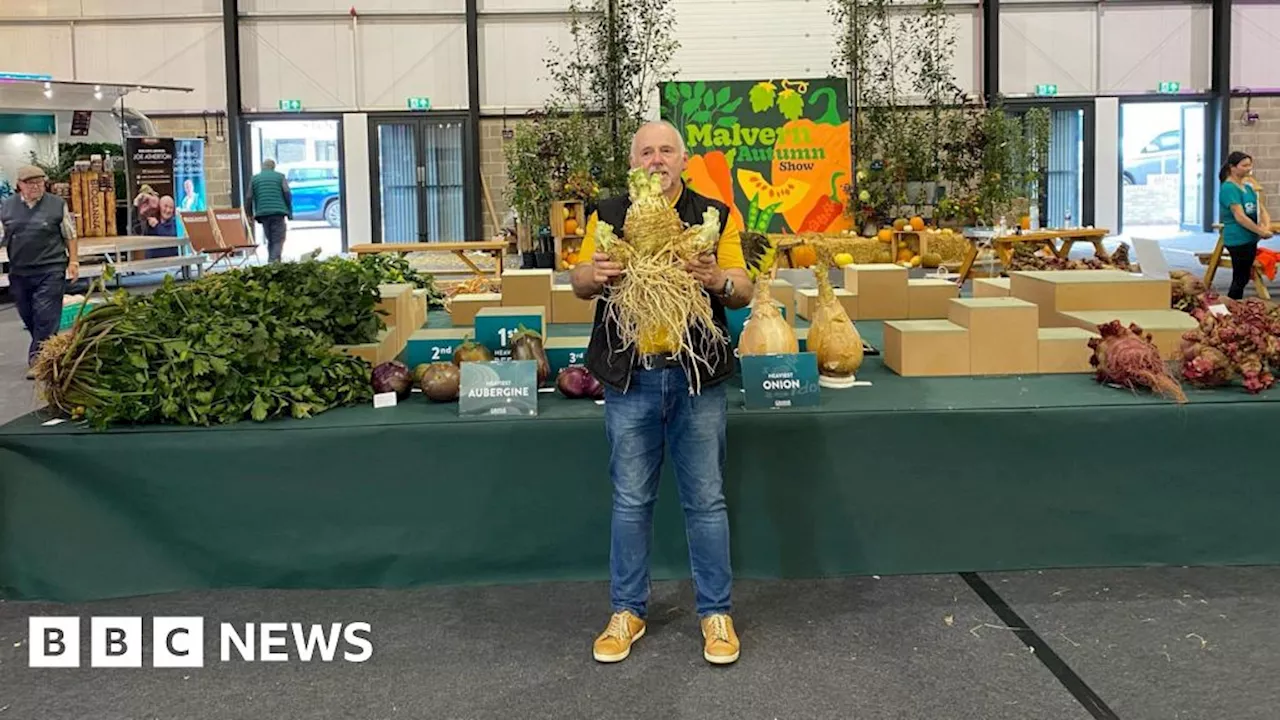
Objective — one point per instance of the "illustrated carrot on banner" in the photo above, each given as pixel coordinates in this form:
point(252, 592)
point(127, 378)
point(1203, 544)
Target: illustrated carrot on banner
point(709, 176)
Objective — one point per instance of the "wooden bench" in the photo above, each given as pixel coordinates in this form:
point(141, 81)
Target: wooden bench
point(497, 248)
point(1058, 241)
point(114, 251)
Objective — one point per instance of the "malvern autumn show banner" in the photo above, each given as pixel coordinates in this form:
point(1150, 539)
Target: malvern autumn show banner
point(776, 151)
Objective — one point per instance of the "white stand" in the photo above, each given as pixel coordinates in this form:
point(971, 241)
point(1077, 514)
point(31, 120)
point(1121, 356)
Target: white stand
point(827, 381)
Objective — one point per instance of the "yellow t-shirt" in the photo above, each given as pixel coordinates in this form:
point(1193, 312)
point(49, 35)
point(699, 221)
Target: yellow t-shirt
point(728, 256)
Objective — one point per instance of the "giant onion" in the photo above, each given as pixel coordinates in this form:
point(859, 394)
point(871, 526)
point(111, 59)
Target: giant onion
point(832, 336)
point(766, 332)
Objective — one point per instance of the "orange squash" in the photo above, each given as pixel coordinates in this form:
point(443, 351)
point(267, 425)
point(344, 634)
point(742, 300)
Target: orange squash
point(885, 235)
point(917, 223)
point(833, 142)
point(803, 256)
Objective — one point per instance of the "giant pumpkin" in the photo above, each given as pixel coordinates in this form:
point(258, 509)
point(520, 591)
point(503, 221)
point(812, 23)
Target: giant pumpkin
point(833, 140)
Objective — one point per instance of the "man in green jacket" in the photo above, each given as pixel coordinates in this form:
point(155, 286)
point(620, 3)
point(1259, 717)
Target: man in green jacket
point(270, 202)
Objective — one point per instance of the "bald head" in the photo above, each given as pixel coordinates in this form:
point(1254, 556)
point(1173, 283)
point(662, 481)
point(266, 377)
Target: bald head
point(658, 148)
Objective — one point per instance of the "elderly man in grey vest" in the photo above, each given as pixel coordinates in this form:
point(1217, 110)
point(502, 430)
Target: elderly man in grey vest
point(39, 234)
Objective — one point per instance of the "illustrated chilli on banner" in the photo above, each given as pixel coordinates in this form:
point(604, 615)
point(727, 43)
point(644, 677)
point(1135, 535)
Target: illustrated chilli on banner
point(776, 151)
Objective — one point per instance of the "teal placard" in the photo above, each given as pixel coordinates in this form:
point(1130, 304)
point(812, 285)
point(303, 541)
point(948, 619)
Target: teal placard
point(507, 388)
point(432, 349)
point(495, 331)
point(562, 357)
point(780, 381)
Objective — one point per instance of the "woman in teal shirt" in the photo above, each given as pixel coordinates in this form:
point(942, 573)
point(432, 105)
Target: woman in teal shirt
point(1241, 225)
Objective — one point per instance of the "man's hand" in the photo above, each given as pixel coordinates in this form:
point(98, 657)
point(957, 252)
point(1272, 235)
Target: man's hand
point(708, 272)
point(604, 270)
point(73, 270)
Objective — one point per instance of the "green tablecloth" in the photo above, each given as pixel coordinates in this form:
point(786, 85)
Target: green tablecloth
point(905, 476)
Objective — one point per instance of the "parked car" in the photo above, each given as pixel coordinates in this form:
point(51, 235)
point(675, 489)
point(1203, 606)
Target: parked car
point(1163, 155)
point(315, 191)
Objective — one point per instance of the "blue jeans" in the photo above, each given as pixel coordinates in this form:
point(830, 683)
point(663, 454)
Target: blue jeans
point(658, 413)
point(39, 301)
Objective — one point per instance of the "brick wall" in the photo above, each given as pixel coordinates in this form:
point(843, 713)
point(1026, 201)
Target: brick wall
point(493, 168)
point(1261, 139)
point(217, 162)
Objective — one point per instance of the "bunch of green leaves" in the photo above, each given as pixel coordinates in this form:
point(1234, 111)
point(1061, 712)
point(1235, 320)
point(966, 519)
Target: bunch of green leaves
point(247, 344)
point(393, 268)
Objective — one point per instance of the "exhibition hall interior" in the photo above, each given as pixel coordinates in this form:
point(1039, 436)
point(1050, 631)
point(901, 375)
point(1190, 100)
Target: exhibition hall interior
point(761, 359)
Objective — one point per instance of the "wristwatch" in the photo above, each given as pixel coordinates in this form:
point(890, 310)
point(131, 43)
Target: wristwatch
point(727, 290)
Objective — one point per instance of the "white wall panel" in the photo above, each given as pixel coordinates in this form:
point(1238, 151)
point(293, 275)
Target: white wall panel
point(42, 49)
point(358, 196)
point(513, 53)
point(39, 8)
point(399, 60)
point(747, 39)
point(182, 54)
point(1255, 34)
point(296, 60)
point(150, 8)
point(1144, 46)
point(361, 6)
point(525, 5)
point(1048, 46)
point(1106, 168)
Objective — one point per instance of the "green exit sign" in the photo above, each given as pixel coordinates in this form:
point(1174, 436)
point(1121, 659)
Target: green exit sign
point(1170, 87)
point(291, 105)
point(1046, 90)
point(419, 103)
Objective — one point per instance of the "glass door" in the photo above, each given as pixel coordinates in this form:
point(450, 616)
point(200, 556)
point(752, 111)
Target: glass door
point(419, 165)
point(306, 151)
point(1065, 196)
point(1193, 166)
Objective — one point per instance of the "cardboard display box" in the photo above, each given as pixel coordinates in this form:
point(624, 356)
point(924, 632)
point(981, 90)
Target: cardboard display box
point(924, 348)
point(421, 309)
point(563, 351)
point(930, 298)
point(1065, 350)
point(1003, 334)
point(463, 309)
point(384, 349)
point(881, 289)
point(990, 287)
point(397, 303)
point(1165, 326)
point(1059, 291)
point(524, 288)
point(569, 308)
point(785, 293)
point(807, 297)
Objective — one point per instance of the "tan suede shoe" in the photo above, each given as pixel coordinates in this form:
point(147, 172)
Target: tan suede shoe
point(720, 644)
point(614, 644)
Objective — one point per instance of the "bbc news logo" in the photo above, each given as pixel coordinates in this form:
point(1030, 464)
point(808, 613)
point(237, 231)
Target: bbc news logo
point(178, 642)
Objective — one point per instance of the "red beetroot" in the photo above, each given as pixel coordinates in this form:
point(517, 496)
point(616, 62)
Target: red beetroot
point(1125, 357)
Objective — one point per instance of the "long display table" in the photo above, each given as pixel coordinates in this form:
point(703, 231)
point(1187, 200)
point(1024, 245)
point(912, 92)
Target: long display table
point(904, 476)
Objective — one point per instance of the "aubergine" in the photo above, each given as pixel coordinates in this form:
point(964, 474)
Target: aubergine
point(527, 345)
point(471, 351)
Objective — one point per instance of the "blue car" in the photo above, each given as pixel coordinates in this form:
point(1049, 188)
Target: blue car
point(315, 191)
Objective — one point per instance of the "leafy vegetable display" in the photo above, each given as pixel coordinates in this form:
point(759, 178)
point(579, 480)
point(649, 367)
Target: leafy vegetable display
point(393, 268)
point(254, 343)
